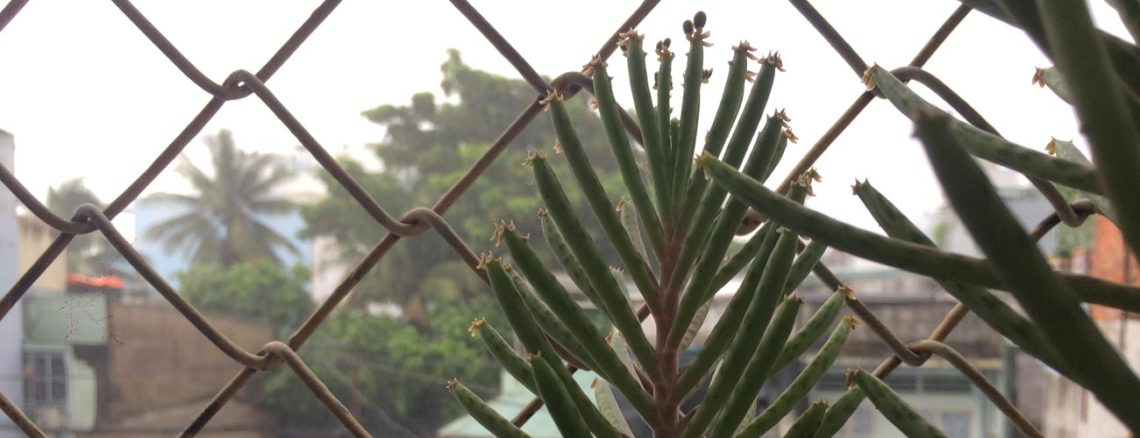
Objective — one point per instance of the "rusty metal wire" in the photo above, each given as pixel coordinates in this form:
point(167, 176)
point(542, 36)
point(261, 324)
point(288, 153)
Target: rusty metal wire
point(241, 84)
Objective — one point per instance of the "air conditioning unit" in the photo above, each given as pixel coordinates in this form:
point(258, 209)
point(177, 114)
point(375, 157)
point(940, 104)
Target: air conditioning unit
point(49, 417)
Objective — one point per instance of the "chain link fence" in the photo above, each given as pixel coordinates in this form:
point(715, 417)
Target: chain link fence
point(242, 84)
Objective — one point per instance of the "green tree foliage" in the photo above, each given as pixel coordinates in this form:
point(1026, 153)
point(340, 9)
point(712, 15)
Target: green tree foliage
point(257, 289)
point(388, 369)
point(220, 223)
point(386, 372)
point(88, 254)
point(428, 146)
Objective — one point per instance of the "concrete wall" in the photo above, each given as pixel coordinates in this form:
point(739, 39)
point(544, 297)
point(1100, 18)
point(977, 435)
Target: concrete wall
point(35, 236)
point(12, 324)
point(157, 361)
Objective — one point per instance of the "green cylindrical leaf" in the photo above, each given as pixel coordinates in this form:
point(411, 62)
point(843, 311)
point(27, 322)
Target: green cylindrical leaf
point(684, 145)
point(718, 241)
point(747, 386)
point(839, 412)
point(1046, 299)
point(813, 329)
point(904, 255)
point(724, 331)
point(808, 423)
point(557, 400)
point(566, 258)
point(989, 308)
point(987, 146)
point(761, 242)
point(803, 265)
point(893, 407)
point(577, 324)
point(527, 330)
point(532, 338)
point(655, 150)
point(1107, 119)
point(598, 273)
point(664, 86)
point(629, 221)
point(718, 132)
point(551, 324)
point(774, 157)
point(511, 361)
point(705, 240)
point(484, 414)
point(1067, 151)
point(803, 383)
point(619, 143)
point(600, 203)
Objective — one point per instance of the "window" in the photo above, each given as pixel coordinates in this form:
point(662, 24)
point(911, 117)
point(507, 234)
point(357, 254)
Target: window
point(956, 424)
point(946, 383)
point(860, 425)
point(45, 379)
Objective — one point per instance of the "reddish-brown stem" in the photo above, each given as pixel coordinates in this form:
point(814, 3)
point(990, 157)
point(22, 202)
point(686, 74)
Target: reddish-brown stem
point(667, 355)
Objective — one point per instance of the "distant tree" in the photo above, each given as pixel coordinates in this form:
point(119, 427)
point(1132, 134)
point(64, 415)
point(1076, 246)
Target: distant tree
point(259, 290)
point(427, 147)
point(388, 368)
point(88, 254)
point(386, 372)
point(221, 223)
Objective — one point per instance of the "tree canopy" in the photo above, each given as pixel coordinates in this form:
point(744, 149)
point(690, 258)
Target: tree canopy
point(222, 221)
point(259, 290)
point(88, 254)
point(428, 146)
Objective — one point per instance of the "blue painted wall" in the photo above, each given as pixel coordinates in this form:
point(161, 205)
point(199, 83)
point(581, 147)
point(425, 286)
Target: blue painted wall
point(168, 264)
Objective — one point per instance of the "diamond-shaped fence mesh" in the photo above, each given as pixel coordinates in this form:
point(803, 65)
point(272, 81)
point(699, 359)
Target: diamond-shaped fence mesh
point(241, 84)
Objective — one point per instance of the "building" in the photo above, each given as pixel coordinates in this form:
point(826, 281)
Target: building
point(91, 360)
point(11, 323)
point(1071, 410)
point(911, 306)
point(96, 365)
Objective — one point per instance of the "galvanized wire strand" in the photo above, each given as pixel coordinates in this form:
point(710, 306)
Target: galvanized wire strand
point(828, 32)
point(136, 260)
point(240, 84)
point(9, 12)
point(317, 387)
point(17, 416)
point(501, 45)
point(861, 102)
point(963, 365)
point(38, 209)
point(226, 90)
point(374, 256)
point(867, 316)
point(959, 312)
point(8, 301)
point(575, 81)
point(947, 94)
point(326, 159)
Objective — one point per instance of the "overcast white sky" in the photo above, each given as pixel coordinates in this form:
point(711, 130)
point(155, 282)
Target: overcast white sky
point(85, 93)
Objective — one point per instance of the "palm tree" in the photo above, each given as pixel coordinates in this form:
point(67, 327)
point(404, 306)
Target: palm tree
point(221, 224)
point(90, 253)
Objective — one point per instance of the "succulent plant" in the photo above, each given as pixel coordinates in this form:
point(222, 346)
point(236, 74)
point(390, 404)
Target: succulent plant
point(689, 214)
point(1096, 73)
point(672, 237)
